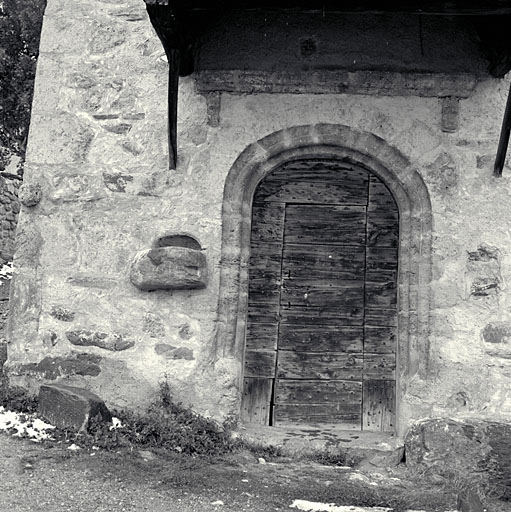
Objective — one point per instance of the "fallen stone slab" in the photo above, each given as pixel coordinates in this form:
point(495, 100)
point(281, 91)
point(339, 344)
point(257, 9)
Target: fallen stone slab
point(71, 407)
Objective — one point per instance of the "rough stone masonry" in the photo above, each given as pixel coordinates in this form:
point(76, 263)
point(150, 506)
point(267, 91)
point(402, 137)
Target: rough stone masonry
point(99, 197)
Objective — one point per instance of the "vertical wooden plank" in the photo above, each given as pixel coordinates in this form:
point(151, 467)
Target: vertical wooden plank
point(379, 405)
point(260, 363)
point(256, 399)
point(379, 386)
point(267, 222)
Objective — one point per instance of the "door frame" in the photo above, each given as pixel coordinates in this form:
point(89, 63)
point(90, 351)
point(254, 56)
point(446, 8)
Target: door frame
point(415, 225)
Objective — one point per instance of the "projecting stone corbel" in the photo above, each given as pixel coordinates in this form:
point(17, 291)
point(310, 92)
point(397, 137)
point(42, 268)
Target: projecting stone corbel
point(176, 263)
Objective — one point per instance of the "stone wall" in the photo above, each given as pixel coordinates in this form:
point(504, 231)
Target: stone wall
point(9, 209)
point(97, 155)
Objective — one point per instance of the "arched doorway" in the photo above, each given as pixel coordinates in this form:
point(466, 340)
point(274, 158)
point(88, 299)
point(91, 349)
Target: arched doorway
point(362, 149)
point(320, 340)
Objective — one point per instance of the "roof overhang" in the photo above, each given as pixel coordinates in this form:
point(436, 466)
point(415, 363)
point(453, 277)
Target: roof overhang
point(180, 23)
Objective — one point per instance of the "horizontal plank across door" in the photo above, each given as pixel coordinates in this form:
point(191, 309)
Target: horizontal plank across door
point(325, 224)
point(344, 416)
point(319, 366)
point(322, 392)
point(321, 338)
point(318, 181)
point(330, 262)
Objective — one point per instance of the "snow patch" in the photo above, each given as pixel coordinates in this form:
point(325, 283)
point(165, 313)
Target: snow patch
point(24, 425)
point(311, 506)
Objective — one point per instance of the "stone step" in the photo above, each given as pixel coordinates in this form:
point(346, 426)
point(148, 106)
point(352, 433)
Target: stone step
point(374, 448)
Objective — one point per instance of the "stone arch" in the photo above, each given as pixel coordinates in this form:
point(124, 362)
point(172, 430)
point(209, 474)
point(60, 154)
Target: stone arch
point(411, 195)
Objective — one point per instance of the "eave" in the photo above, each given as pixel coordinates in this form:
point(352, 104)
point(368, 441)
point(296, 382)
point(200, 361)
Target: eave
point(179, 25)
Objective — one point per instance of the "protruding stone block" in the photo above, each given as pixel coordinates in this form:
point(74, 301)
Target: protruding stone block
point(113, 342)
point(169, 268)
point(70, 407)
point(450, 114)
point(30, 194)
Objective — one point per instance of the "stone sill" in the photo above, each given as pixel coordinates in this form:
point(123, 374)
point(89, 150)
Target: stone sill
point(377, 448)
point(378, 83)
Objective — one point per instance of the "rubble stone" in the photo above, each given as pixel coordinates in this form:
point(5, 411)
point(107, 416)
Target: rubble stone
point(71, 407)
point(169, 268)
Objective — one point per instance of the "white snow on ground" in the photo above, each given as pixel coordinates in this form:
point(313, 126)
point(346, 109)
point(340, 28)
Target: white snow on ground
point(311, 506)
point(116, 423)
point(24, 425)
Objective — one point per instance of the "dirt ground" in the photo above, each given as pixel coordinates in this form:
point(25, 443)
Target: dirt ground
point(51, 478)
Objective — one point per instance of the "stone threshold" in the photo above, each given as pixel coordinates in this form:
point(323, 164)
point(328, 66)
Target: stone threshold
point(376, 448)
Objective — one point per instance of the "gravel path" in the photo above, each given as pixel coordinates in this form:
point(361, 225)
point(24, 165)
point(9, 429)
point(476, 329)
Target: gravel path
point(36, 478)
point(45, 478)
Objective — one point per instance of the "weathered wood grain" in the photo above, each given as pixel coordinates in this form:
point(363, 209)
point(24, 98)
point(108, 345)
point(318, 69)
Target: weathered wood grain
point(380, 340)
point(323, 261)
point(264, 290)
point(381, 295)
point(382, 228)
point(261, 336)
point(329, 366)
point(262, 312)
point(318, 392)
point(379, 366)
point(255, 402)
point(323, 294)
point(381, 264)
point(260, 363)
point(379, 406)
point(380, 316)
point(325, 224)
point(334, 316)
point(346, 417)
point(267, 222)
point(265, 260)
point(322, 290)
point(316, 182)
point(321, 338)
point(380, 197)
point(319, 169)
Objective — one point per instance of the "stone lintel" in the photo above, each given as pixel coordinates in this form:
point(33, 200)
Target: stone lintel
point(378, 83)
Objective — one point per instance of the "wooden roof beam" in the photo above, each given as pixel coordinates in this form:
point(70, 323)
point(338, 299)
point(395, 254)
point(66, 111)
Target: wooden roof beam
point(504, 139)
point(427, 7)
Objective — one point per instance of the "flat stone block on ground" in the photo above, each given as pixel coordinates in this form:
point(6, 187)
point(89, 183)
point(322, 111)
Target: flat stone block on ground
point(71, 407)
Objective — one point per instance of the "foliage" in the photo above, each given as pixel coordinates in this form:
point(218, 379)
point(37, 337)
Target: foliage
point(20, 28)
point(167, 425)
point(16, 399)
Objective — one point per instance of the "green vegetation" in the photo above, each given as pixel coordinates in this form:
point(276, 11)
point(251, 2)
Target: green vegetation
point(20, 28)
point(16, 399)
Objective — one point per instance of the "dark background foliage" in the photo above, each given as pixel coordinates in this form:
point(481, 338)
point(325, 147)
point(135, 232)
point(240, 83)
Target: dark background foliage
point(20, 28)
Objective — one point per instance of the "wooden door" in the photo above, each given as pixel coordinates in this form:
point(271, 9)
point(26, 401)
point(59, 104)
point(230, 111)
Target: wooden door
point(321, 321)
